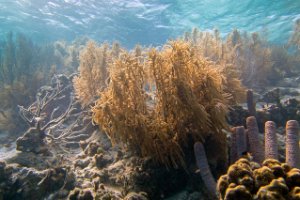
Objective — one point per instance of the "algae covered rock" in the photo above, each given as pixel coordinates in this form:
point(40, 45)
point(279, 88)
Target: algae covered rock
point(31, 141)
point(28, 183)
point(136, 196)
point(78, 194)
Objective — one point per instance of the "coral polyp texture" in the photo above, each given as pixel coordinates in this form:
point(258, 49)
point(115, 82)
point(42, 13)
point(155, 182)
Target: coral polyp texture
point(159, 103)
point(246, 179)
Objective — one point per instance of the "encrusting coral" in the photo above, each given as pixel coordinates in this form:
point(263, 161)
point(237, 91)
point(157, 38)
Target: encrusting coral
point(272, 180)
point(268, 179)
point(156, 105)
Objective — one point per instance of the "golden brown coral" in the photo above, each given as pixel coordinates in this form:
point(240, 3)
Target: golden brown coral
point(274, 180)
point(237, 192)
point(294, 194)
point(276, 190)
point(156, 104)
point(245, 56)
point(93, 72)
point(293, 177)
point(276, 167)
point(263, 176)
point(222, 185)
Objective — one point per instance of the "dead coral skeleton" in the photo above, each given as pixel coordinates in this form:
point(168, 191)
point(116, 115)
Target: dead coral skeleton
point(55, 119)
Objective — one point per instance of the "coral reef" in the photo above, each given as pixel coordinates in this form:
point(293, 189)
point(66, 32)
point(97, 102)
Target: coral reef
point(27, 183)
point(54, 106)
point(156, 106)
point(24, 68)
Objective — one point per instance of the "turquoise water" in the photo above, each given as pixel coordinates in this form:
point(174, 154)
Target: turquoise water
point(144, 21)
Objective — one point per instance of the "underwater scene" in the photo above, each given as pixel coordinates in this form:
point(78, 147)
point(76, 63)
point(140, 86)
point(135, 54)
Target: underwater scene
point(149, 100)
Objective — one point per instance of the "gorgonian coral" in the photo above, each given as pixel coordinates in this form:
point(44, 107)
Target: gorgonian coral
point(22, 72)
point(93, 72)
point(249, 56)
point(161, 102)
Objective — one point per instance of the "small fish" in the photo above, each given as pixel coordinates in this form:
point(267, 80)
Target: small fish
point(247, 155)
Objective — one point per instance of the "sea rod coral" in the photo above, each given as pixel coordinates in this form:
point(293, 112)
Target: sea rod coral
point(160, 104)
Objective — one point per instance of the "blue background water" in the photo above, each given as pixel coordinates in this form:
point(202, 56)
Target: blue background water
point(144, 21)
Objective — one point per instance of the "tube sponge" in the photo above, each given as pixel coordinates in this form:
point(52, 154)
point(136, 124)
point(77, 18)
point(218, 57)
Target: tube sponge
point(202, 164)
point(241, 141)
point(251, 103)
point(292, 143)
point(233, 150)
point(271, 148)
point(255, 146)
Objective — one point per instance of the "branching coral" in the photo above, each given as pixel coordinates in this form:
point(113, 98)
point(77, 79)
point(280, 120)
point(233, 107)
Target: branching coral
point(24, 67)
point(158, 104)
point(93, 72)
point(250, 57)
point(20, 76)
point(211, 47)
point(47, 117)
